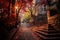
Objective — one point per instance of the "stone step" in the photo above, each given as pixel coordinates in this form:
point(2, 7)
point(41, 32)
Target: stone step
point(44, 37)
point(42, 33)
point(43, 30)
point(48, 31)
point(53, 31)
point(41, 36)
point(50, 27)
point(48, 34)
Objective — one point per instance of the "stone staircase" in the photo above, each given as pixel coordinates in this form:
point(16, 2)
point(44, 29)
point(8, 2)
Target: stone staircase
point(48, 34)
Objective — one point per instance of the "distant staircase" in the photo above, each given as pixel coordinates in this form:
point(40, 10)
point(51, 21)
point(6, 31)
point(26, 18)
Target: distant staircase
point(48, 34)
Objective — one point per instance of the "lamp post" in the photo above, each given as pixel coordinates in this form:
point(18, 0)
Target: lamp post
point(16, 10)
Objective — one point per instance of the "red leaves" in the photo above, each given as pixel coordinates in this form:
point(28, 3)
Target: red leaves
point(4, 3)
point(44, 2)
point(24, 3)
point(29, 1)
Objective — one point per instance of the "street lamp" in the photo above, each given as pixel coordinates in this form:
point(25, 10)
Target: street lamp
point(16, 11)
point(16, 7)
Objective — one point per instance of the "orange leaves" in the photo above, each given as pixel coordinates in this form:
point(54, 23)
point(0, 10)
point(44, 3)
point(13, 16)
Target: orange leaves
point(23, 4)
